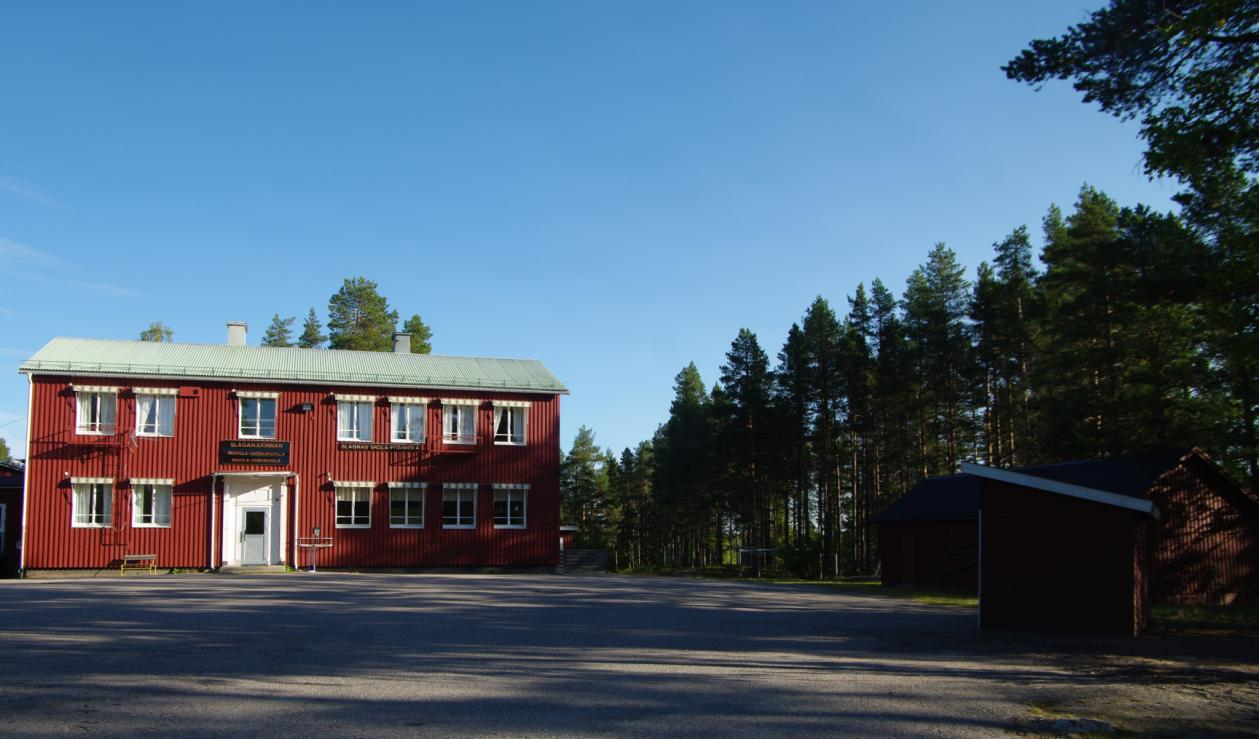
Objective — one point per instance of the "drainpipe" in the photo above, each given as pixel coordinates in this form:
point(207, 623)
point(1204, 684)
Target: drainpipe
point(26, 474)
point(214, 514)
point(295, 529)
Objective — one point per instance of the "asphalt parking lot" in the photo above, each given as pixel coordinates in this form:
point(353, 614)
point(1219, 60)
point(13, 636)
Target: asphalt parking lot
point(379, 654)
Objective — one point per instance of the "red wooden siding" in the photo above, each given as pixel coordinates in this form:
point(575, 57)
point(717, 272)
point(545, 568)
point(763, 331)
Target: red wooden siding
point(929, 554)
point(1053, 561)
point(1206, 544)
point(206, 413)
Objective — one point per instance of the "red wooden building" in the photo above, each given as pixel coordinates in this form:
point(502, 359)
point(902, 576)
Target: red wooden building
point(223, 455)
point(1203, 545)
point(11, 477)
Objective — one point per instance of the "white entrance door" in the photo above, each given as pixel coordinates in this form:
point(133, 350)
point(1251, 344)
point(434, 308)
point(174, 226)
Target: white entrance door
point(253, 520)
point(254, 536)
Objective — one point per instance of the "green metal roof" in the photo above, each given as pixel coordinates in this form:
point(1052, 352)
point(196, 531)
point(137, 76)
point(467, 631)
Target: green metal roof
point(114, 358)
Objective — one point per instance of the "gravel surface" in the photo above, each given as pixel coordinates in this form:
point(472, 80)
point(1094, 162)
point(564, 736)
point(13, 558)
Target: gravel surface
point(342, 654)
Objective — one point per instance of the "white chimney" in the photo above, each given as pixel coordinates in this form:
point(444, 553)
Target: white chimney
point(236, 332)
point(402, 343)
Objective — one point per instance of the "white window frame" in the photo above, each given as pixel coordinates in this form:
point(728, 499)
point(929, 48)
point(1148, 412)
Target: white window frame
point(357, 408)
point(407, 490)
point(87, 427)
point(410, 409)
point(510, 412)
point(357, 491)
point(508, 492)
point(461, 434)
point(240, 421)
point(460, 491)
point(140, 488)
point(97, 488)
point(164, 404)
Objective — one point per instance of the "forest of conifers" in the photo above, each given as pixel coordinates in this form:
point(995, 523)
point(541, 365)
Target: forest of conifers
point(1121, 336)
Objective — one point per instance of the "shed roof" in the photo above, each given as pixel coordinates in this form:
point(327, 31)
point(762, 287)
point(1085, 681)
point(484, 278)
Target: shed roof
point(956, 497)
point(154, 359)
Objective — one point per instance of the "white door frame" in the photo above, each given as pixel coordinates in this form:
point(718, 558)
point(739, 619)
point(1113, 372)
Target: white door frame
point(244, 490)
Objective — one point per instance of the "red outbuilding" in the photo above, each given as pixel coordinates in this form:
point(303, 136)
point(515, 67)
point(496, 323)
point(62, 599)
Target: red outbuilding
point(11, 476)
point(204, 456)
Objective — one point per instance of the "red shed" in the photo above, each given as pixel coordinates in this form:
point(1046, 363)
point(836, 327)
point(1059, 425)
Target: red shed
point(11, 476)
point(929, 537)
point(213, 455)
point(1203, 549)
point(1061, 556)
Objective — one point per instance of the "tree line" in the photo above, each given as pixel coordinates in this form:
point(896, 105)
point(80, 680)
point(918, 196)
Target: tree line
point(1139, 330)
point(359, 317)
point(1113, 345)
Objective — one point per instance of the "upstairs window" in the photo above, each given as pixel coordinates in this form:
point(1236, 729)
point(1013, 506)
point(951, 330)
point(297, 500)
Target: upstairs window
point(406, 419)
point(93, 502)
point(354, 505)
point(509, 422)
point(459, 421)
point(458, 506)
point(97, 409)
point(354, 418)
point(406, 505)
point(155, 411)
point(151, 503)
point(510, 506)
point(257, 416)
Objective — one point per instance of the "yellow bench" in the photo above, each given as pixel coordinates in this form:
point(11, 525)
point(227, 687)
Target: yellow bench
point(138, 562)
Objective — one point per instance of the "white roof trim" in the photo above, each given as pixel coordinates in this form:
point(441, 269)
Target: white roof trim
point(511, 403)
point(260, 394)
point(155, 390)
point(407, 484)
point(152, 481)
point(1061, 488)
point(509, 486)
point(353, 484)
point(461, 401)
point(407, 401)
point(95, 388)
point(91, 481)
point(354, 398)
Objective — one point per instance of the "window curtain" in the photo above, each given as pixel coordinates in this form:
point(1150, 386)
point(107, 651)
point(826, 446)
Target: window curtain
point(166, 416)
point(161, 505)
point(518, 424)
point(498, 420)
point(109, 407)
point(83, 413)
point(82, 504)
point(146, 409)
point(345, 420)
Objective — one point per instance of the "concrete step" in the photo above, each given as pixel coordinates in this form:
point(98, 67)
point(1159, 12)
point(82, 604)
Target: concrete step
point(251, 570)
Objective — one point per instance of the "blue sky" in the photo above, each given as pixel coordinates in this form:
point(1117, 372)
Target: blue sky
point(612, 188)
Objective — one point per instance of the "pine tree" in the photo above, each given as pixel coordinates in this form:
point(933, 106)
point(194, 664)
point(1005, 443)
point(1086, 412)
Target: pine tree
point(935, 305)
point(280, 332)
point(822, 337)
point(312, 336)
point(791, 411)
point(5, 454)
point(421, 334)
point(157, 331)
point(683, 462)
point(359, 317)
point(584, 487)
point(745, 442)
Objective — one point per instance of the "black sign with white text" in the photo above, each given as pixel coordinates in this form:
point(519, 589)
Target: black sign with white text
point(249, 451)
